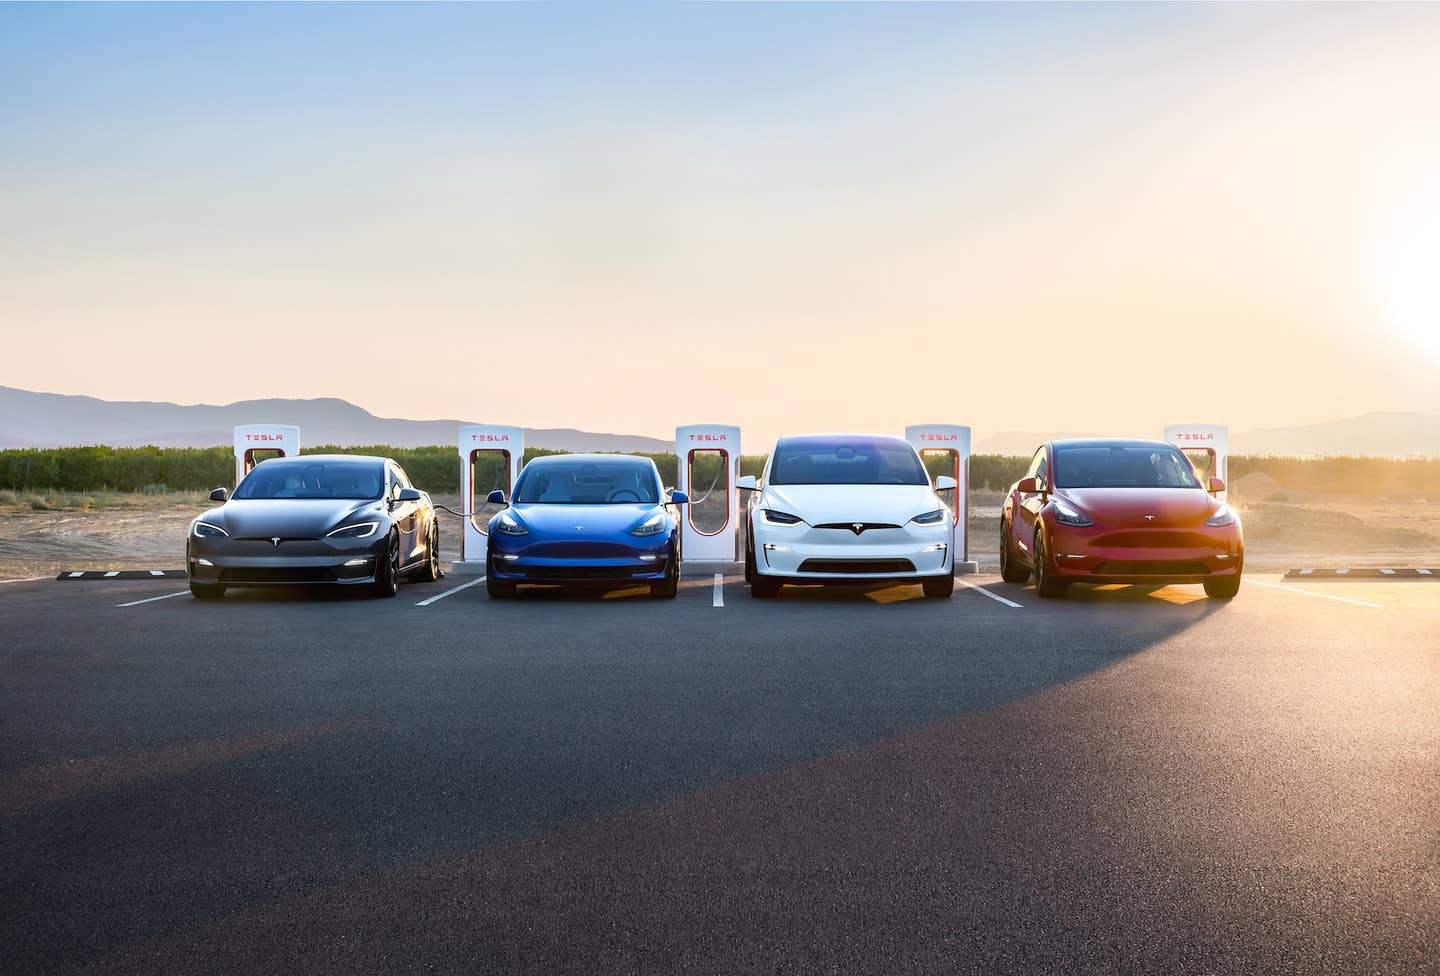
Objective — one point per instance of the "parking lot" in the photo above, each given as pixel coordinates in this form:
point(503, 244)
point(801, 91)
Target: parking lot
point(1131, 779)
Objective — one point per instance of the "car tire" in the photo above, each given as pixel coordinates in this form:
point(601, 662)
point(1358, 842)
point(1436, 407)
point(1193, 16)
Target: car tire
point(1049, 584)
point(764, 587)
point(496, 588)
point(939, 587)
point(749, 560)
point(430, 571)
point(667, 588)
point(206, 591)
point(387, 574)
point(1011, 571)
point(1224, 588)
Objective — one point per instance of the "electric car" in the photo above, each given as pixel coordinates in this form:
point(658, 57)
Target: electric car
point(1118, 511)
point(342, 520)
point(585, 518)
point(847, 508)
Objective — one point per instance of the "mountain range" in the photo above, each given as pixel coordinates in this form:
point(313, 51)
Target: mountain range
point(29, 419)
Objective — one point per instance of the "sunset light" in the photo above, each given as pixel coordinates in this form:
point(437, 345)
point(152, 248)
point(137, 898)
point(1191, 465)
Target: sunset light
point(1412, 288)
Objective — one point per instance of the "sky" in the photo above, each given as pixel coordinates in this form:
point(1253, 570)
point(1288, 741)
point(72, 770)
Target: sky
point(789, 217)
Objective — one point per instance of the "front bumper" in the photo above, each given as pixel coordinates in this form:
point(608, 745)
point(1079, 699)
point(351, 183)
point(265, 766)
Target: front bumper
point(519, 561)
point(804, 553)
point(294, 562)
point(1094, 555)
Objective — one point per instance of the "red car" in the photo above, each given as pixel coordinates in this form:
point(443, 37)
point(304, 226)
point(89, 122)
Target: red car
point(1118, 511)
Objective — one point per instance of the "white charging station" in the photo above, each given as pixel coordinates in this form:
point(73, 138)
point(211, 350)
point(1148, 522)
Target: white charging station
point(708, 462)
point(952, 440)
point(499, 451)
point(1208, 448)
point(257, 442)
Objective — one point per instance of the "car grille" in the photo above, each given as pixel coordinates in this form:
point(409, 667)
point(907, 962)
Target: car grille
point(277, 574)
point(578, 572)
point(1150, 567)
point(1154, 539)
point(857, 566)
point(850, 526)
point(579, 550)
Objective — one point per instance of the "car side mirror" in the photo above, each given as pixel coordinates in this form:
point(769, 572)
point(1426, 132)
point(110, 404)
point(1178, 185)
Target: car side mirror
point(496, 497)
point(219, 495)
point(945, 483)
point(407, 495)
point(747, 482)
point(1026, 486)
point(1217, 485)
point(679, 498)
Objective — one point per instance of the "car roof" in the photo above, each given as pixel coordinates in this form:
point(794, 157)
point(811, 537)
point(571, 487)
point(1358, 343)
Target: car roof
point(551, 458)
point(1109, 442)
point(325, 457)
point(838, 438)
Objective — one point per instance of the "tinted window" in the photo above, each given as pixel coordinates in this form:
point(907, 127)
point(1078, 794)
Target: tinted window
point(846, 461)
point(318, 479)
point(1122, 466)
point(587, 483)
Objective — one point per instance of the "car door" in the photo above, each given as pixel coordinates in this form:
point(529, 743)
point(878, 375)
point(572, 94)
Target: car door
point(406, 516)
point(1029, 503)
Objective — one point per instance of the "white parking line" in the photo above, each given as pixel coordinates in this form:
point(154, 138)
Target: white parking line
point(1323, 596)
point(27, 579)
point(167, 596)
point(719, 598)
point(451, 592)
point(994, 596)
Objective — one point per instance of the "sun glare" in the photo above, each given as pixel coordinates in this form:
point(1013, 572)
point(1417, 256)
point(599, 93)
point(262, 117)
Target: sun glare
point(1412, 289)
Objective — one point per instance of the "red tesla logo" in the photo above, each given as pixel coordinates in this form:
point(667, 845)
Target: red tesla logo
point(264, 437)
point(939, 437)
point(490, 437)
point(1195, 437)
point(709, 437)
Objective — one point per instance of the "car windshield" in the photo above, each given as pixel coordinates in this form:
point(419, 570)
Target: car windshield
point(1122, 466)
point(587, 483)
point(318, 479)
point(846, 461)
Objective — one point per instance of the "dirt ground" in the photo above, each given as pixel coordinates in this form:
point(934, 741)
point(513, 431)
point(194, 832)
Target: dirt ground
point(45, 534)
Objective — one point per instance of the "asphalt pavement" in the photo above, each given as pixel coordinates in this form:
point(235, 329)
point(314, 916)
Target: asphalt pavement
point(1131, 780)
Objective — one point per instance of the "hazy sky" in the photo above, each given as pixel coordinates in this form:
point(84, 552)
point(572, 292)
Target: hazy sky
point(793, 217)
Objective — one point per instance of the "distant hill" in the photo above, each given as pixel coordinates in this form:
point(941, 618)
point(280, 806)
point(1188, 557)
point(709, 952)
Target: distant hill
point(56, 420)
point(1374, 434)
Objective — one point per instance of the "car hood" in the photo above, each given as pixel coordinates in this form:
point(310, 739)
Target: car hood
point(819, 504)
point(293, 518)
point(1128, 507)
point(567, 520)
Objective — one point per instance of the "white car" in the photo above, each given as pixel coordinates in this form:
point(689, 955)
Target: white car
point(847, 508)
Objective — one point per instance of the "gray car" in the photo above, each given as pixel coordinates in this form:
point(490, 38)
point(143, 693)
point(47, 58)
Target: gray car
point(316, 519)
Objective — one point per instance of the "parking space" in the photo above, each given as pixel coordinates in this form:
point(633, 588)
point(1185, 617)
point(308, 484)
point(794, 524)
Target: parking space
point(273, 780)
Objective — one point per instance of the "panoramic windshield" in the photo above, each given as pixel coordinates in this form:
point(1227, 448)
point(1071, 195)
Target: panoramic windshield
point(320, 479)
point(846, 461)
point(1122, 466)
point(587, 483)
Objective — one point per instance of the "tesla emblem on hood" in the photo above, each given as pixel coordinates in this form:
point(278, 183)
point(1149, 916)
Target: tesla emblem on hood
point(1149, 518)
point(858, 527)
point(275, 541)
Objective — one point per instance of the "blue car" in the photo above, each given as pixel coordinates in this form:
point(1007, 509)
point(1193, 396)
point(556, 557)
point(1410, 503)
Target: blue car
point(586, 518)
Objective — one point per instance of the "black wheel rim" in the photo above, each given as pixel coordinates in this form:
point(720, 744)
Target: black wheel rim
point(1004, 550)
point(1039, 562)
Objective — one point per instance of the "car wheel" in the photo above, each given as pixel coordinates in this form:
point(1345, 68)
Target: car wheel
point(939, 587)
point(206, 591)
point(1010, 569)
point(497, 588)
point(670, 585)
point(764, 587)
point(1225, 587)
point(387, 574)
point(430, 572)
point(749, 559)
point(1048, 583)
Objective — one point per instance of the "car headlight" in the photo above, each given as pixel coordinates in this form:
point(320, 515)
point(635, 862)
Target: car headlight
point(930, 518)
point(780, 518)
point(204, 530)
point(653, 525)
point(507, 524)
point(1224, 515)
point(1066, 515)
point(357, 530)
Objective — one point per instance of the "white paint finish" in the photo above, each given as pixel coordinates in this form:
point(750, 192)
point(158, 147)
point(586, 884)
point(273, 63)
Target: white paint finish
point(1306, 572)
point(488, 439)
point(26, 579)
point(953, 439)
point(721, 545)
point(1388, 572)
point(167, 596)
point(1423, 572)
point(1323, 596)
point(718, 600)
point(112, 574)
point(77, 575)
point(451, 592)
point(157, 572)
point(1342, 572)
point(994, 596)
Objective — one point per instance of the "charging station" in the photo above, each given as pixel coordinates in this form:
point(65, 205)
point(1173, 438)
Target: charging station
point(490, 459)
point(1208, 448)
point(708, 457)
point(953, 442)
point(259, 442)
